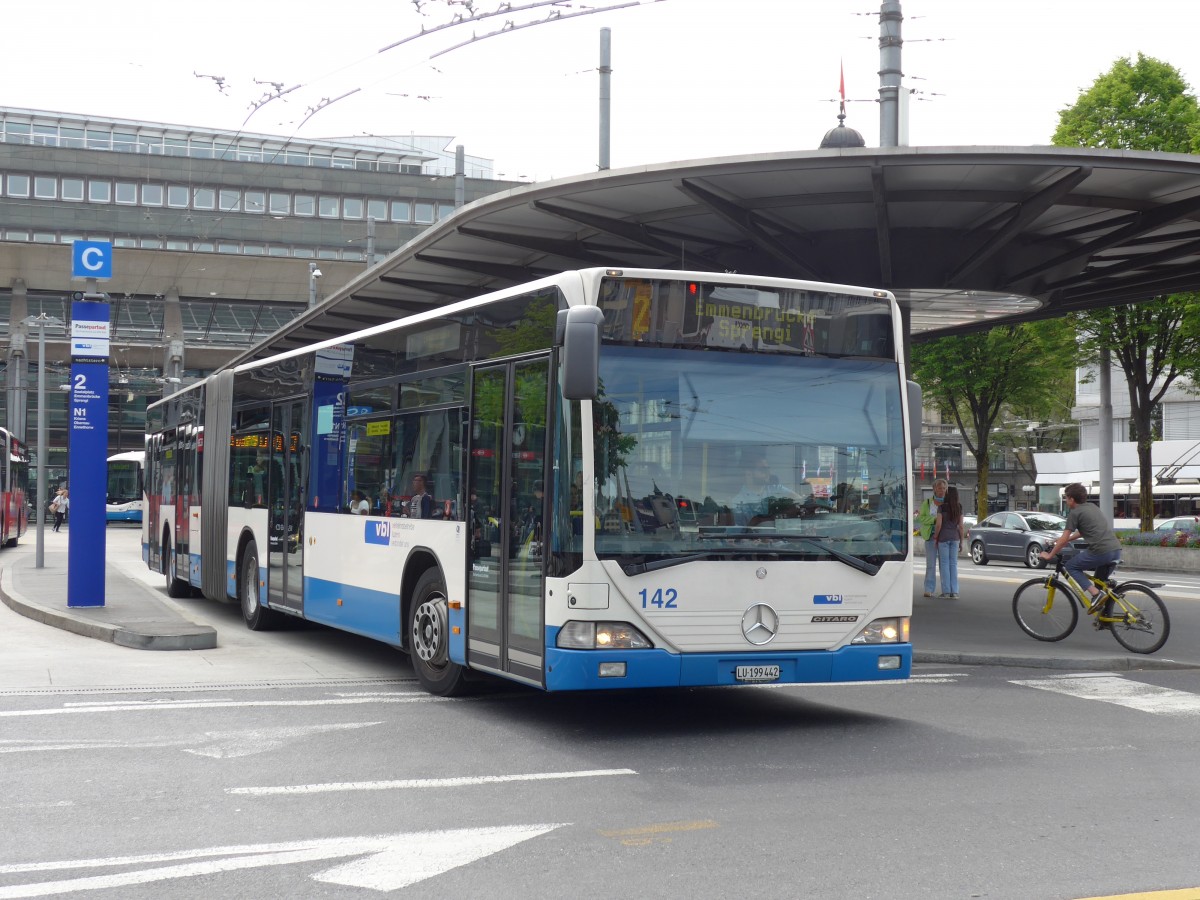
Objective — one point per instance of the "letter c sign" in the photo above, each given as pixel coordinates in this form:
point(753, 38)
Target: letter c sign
point(91, 259)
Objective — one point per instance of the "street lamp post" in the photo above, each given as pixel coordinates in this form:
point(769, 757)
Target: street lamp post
point(41, 322)
point(313, 274)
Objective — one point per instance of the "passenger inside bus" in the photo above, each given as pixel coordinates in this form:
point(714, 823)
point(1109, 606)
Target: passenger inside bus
point(420, 504)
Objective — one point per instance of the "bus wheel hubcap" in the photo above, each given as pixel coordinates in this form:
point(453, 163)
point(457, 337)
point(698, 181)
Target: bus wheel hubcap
point(429, 631)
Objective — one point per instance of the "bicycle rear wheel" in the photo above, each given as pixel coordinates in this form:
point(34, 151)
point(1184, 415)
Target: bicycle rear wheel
point(1145, 626)
point(1044, 609)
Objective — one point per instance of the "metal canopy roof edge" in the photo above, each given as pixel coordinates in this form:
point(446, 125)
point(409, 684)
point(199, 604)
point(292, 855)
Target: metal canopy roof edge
point(966, 237)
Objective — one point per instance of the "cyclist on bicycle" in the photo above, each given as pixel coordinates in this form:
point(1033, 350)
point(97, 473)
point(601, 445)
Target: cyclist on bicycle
point(1087, 521)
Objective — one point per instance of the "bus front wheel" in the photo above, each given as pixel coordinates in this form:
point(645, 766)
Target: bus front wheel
point(429, 638)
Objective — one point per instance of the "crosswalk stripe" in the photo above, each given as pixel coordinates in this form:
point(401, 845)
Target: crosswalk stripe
point(1121, 691)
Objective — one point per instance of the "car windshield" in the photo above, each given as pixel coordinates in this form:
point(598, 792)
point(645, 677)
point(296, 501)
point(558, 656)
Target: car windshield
point(1046, 522)
point(704, 455)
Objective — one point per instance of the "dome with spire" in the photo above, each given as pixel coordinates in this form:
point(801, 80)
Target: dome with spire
point(842, 136)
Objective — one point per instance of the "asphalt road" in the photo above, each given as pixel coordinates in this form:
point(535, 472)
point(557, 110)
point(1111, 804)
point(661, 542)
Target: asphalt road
point(307, 763)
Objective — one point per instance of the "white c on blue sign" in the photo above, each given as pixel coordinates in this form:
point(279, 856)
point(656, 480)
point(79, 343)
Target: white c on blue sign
point(91, 259)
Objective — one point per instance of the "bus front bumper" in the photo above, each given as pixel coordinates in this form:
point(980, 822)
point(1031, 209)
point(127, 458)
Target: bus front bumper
point(568, 670)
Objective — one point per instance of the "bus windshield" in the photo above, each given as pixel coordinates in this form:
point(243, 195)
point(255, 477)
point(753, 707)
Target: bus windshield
point(702, 455)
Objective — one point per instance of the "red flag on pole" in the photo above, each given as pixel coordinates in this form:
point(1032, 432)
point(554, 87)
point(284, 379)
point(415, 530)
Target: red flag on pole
point(842, 84)
point(922, 471)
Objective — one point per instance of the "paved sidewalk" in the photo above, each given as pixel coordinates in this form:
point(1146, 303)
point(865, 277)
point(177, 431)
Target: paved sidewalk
point(973, 630)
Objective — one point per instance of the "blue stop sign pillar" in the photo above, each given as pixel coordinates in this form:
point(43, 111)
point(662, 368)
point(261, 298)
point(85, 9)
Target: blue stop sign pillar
point(88, 435)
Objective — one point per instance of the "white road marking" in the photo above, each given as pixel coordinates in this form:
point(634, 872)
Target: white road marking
point(388, 862)
point(215, 744)
point(410, 783)
point(1121, 691)
point(156, 705)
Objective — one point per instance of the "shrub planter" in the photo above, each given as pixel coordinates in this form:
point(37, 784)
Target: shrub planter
point(1160, 559)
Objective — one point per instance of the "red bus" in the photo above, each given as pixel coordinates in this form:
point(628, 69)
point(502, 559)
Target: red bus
point(14, 489)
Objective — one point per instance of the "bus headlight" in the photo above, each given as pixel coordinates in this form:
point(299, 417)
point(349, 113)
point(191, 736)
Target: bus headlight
point(884, 631)
point(601, 636)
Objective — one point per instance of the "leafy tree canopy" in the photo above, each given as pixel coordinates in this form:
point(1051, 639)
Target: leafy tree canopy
point(1134, 106)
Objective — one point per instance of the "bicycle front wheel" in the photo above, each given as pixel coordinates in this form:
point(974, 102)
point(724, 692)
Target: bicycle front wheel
point(1044, 609)
point(1143, 626)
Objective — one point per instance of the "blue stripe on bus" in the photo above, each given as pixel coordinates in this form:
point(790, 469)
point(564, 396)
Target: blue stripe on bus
point(367, 612)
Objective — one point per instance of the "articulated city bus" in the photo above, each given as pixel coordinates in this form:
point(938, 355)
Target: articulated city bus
point(14, 489)
point(608, 478)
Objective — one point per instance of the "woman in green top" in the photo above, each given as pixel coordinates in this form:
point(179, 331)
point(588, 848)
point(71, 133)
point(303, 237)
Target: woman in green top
point(926, 518)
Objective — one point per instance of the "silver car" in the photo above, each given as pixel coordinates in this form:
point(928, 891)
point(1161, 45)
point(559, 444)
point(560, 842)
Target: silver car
point(1015, 535)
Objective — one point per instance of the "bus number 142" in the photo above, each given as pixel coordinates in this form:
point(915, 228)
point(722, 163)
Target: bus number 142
point(659, 598)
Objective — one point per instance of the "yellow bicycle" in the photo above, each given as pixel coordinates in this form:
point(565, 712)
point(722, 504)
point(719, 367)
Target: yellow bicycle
point(1047, 608)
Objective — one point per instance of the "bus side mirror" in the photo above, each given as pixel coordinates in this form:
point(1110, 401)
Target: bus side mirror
point(579, 331)
point(914, 414)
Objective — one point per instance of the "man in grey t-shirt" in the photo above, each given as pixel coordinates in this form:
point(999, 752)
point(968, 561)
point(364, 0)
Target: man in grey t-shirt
point(1088, 522)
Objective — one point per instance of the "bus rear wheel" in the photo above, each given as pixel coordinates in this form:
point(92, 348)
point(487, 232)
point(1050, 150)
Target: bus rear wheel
point(257, 616)
point(429, 638)
point(176, 587)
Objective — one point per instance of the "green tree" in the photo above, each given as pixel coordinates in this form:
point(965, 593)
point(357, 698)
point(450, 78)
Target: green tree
point(1154, 343)
point(1140, 106)
point(975, 377)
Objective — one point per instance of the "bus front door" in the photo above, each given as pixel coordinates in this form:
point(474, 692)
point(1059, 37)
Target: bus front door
point(505, 620)
point(287, 493)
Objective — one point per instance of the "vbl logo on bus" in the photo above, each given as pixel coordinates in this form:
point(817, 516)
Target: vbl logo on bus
point(378, 532)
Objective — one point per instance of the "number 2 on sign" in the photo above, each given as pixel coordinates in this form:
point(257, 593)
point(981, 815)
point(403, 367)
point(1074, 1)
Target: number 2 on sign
point(659, 598)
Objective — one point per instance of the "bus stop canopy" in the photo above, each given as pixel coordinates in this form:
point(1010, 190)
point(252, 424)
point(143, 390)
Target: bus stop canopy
point(964, 236)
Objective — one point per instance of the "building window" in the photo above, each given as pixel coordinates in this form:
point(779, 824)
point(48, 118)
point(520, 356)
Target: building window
point(178, 245)
point(99, 140)
point(327, 254)
point(69, 238)
point(99, 191)
point(150, 244)
point(352, 208)
point(296, 158)
point(204, 198)
point(281, 204)
point(126, 192)
point(45, 135)
point(231, 201)
point(377, 210)
point(70, 137)
point(444, 209)
point(175, 146)
point(43, 237)
point(125, 242)
point(256, 202)
point(277, 251)
point(152, 195)
point(254, 250)
point(228, 247)
point(72, 189)
point(17, 133)
point(16, 235)
point(177, 196)
point(305, 205)
point(201, 149)
point(124, 142)
point(18, 185)
point(328, 207)
point(45, 188)
point(424, 213)
point(203, 247)
point(401, 211)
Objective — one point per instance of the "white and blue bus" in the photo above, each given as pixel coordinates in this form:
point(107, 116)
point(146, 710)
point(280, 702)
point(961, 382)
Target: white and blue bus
point(123, 496)
point(608, 478)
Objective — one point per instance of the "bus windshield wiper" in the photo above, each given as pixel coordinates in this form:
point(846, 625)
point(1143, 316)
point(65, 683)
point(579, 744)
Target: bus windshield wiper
point(665, 563)
point(817, 541)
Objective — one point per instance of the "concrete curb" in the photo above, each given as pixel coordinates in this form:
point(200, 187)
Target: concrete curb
point(1094, 664)
point(180, 636)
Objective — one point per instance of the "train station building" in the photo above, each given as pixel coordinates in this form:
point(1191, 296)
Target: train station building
point(218, 240)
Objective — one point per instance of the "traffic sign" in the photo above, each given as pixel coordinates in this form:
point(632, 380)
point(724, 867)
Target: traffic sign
point(91, 259)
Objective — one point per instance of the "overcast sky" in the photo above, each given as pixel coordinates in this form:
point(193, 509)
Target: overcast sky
point(691, 78)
